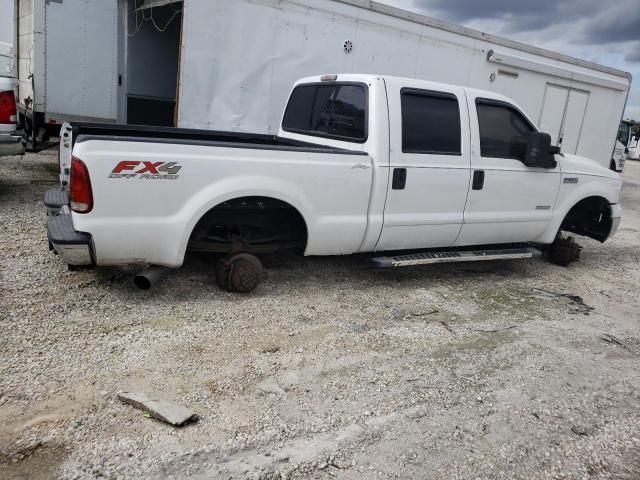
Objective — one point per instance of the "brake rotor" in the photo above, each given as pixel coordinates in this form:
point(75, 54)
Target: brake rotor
point(240, 273)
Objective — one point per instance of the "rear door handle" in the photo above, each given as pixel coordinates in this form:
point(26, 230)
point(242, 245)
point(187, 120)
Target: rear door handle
point(399, 178)
point(478, 180)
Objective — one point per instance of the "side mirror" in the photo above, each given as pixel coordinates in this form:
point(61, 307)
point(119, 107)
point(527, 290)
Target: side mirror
point(539, 151)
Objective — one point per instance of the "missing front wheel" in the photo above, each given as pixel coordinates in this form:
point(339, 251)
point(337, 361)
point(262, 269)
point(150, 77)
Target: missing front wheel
point(564, 251)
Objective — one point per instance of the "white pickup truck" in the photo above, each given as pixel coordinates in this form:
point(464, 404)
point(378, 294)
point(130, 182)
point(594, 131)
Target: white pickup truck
point(362, 163)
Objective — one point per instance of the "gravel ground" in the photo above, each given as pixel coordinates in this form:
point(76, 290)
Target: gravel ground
point(327, 370)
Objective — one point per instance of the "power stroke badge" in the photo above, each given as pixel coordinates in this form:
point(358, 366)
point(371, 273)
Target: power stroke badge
point(146, 170)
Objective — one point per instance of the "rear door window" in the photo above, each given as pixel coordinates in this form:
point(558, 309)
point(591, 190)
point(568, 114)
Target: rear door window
point(430, 123)
point(328, 110)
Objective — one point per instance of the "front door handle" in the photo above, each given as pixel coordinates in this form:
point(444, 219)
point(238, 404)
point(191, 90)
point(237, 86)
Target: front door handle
point(478, 179)
point(399, 178)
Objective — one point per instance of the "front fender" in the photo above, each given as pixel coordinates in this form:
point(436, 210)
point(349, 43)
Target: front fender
point(572, 193)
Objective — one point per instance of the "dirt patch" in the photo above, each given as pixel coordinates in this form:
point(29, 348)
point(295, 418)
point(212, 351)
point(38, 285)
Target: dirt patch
point(37, 462)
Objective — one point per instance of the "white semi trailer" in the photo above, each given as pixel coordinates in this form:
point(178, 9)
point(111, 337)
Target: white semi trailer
point(229, 65)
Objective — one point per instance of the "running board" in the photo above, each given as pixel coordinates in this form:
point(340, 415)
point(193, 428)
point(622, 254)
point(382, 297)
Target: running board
point(453, 256)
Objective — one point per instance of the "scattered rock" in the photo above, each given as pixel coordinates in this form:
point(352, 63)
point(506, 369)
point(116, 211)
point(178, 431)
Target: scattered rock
point(494, 330)
point(271, 348)
point(424, 314)
point(267, 387)
point(580, 430)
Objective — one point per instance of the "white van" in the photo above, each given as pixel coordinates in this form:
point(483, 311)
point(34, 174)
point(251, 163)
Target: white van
point(621, 149)
point(634, 146)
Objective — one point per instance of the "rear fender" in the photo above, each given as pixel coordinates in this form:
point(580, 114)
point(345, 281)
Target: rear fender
point(236, 187)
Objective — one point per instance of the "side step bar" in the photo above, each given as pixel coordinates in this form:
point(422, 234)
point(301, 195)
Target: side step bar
point(454, 256)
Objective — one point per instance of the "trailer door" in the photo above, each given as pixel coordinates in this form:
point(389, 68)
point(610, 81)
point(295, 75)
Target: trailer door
point(81, 60)
point(552, 113)
point(574, 118)
point(562, 115)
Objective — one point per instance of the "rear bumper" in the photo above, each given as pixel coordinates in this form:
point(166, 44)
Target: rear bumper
point(56, 200)
point(73, 247)
point(11, 145)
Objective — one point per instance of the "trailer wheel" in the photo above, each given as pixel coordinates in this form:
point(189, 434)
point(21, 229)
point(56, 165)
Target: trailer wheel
point(239, 273)
point(564, 251)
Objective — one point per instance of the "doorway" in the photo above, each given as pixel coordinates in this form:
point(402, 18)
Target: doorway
point(153, 37)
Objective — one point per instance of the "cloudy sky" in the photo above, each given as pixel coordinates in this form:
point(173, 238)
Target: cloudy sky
point(605, 32)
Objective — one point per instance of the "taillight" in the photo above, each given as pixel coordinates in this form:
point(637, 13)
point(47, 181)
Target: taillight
point(8, 112)
point(80, 193)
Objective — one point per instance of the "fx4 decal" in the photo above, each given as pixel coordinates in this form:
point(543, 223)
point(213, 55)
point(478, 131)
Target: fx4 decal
point(146, 170)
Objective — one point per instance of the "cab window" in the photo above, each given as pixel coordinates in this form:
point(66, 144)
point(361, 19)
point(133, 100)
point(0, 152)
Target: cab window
point(336, 110)
point(504, 131)
point(430, 123)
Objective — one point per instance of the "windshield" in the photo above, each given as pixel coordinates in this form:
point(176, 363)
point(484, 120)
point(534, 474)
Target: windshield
point(623, 133)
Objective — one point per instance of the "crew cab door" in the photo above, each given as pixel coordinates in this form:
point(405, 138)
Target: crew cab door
point(508, 201)
point(429, 166)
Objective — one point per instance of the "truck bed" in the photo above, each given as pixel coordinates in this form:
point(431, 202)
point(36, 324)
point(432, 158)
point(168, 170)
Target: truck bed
point(93, 131)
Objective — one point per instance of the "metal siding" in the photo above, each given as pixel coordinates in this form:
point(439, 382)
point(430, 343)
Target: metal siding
point(244, 84)
point(38, 55)
point(471, 34)
point(81, 62)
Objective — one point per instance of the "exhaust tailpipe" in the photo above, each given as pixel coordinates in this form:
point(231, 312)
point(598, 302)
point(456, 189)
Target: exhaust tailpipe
point(149, 277)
